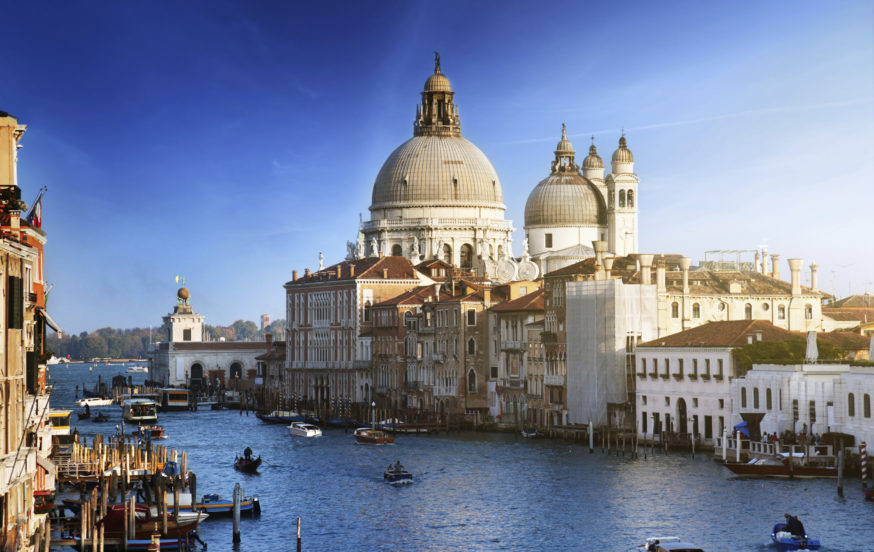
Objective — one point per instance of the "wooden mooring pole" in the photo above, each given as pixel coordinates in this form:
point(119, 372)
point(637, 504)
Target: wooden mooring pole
point(298, 534)
point(841, 469)
point(238, 493)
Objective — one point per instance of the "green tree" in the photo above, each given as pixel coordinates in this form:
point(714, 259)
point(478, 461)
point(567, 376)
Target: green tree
point(277, 328)
point(244, 330)
point(93, 346)
point(773, 352)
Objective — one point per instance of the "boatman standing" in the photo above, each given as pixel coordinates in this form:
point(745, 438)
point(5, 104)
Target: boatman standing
point(794, 526)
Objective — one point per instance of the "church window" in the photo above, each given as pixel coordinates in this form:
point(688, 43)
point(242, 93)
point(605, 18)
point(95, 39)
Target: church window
point(808, 312)
point(471, 346)
point(548, 240)
point(781, 312)
point(768, 400)
point(756, 397)
point(675, 310)
point(630, 199)
point(447, 253)
point(748, 311)
point(743, 397)
point(466, 256)
point(471, 317)
point(397, 250)
point(186, 334)
point(765, 307)
point(471, 382)
point(696, 310)
point(622, 198)
point(851, 405)
point(367, 311)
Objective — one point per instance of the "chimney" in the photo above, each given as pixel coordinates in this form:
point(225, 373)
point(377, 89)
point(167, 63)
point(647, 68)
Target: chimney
point(385, 274)
point(306, 273)
point(764, 260)
point(351, 270)
point(339, 271)
point(381, 254)
point(645, 269)
point(758, 262)
point(268, 339)
point(600, 247)
point(487, 295)
point(686, 262)
point(775, 266)
point(15, 221)
point(293, 275)
point(814, 281)
point(795, 269)
point(436, 292)
point(660, 275)
point(608, 265)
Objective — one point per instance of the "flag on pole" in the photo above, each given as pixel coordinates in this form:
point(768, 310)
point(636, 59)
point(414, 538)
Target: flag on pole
point(34, 217)
point(177, 279)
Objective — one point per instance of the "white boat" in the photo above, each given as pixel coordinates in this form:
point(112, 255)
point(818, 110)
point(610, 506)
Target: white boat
point(137, 369)
point(300, 429)
point(93, 401)
point(139, 411)
point(668, 544)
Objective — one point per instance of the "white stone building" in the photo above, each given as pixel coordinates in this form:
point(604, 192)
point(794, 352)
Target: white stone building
point(816, 398)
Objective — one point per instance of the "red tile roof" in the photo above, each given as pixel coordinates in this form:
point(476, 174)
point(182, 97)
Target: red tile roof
point(371, 268)
point(732, 333)
point(532, 302)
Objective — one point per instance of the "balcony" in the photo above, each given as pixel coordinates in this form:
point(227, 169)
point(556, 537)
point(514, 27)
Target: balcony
point(361, 365)
point(554, 380)
point(413, 385)
point(693, 376)
point(718, 377)
point(437, 357)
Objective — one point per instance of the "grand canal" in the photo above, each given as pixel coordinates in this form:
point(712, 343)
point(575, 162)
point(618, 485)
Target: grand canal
point(477, 491)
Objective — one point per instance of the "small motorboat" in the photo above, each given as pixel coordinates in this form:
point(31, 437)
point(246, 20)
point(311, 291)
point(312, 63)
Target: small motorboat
point(370, 436)
point(215, 505)
point(532, 434)
point(668, 544)
point(787, 541)
point(300, 429)
point(101, 417)
point(280, 417)
point(150, 432)
point(780, 467)
point(247, 465)
point(397, 475)
point(94, 401)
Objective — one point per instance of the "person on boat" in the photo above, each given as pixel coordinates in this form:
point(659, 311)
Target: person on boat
point(247, 454)
point(653, 546)
point(794, 526)
point(390, 468)
point(398, 467)
point(87, 410)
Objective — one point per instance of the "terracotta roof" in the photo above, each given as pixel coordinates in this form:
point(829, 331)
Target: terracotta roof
point(848, 341)
point(415, 296)
point(533, 301)
point(865, 301)
point(277, 352)
point(371, 268)
point(732, 333)
point(846, 314)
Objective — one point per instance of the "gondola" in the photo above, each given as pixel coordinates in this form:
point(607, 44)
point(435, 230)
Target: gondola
point(101, 417)
point(247, 465)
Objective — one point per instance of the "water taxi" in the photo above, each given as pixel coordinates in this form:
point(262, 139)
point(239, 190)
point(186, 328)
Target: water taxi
point(370, 436)
point(139, 411)
point(300, 429)
point(60, 420)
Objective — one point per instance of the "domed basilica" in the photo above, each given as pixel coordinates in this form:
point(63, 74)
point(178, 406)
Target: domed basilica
point(437, 196)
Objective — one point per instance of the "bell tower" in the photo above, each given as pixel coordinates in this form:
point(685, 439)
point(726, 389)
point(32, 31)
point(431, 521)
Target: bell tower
point(622, 202)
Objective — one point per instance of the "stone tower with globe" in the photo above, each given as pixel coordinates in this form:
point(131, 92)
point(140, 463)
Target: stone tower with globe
point(437, 196)
point(184, 324)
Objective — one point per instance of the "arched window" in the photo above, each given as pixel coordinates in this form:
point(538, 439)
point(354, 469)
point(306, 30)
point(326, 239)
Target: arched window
point(630, 199)
point(756, 398)
point(808, 312)
point(675, 310)
point(466, 256)
point(743, 397)
point(768, 402)
point(397, 250)
point(622, 198)
point(851, 405)
point(748, 311)
point(236, 371)
point(866, 405)
point(696, 310)
point(781, 312)
point(471, 346)
point(447, 253)
point(471, 382)
point(367, 311)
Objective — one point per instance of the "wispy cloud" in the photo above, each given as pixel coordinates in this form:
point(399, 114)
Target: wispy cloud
point(700, 120)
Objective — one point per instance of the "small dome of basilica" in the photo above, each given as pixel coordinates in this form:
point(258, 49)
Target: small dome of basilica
point(593, 160)
point(622, 153)
point(438, 82)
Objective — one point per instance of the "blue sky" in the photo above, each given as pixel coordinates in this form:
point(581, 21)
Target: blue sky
point(230, 142)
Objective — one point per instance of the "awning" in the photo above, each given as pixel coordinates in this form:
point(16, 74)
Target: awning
point(49, 322)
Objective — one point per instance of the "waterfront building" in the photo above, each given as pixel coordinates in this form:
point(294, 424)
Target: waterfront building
point(25, 442)
point(684, 379)
point(330, 327)
point(185, 359)
point(569, 209)
point(813, 398)
point(271, 364)
point(516, 385)
point(855, 313)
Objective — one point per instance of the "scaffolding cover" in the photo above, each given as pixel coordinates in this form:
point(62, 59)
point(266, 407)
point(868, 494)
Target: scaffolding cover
point(601, 315)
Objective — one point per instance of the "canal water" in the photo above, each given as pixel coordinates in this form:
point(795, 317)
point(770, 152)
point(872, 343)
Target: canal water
point(478, 491)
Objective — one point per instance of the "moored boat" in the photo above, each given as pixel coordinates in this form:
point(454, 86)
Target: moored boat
point(770, 467)
point(215, 505)
point(300, 429)
point(784, 540)
point(100, 418)
point(370, 436)
point(280, 417)
point(532, 434)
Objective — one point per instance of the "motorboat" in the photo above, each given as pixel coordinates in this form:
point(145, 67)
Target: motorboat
point(60, 420)
point(780, 467)
point(137, 369)
point(139, 411)
point(301, 429)
point(84, 414)
point(280, 417)
point(397, 475)
point(668, 544)
point(247, 465)
point(100, 418)
point(784, 540)
point(93, 401)
point(532, 434)
point(215, 505)
point(150, 432)
point(173, 398)
point(371, 436)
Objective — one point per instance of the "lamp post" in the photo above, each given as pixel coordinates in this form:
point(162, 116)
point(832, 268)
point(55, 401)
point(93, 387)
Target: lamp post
point(373, 413)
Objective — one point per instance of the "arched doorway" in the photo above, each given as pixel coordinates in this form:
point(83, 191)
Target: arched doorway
point(236, 371)
point(447, 254)
point(681, 416)
point(397, 250)
point(466, 256)
point(196, 372)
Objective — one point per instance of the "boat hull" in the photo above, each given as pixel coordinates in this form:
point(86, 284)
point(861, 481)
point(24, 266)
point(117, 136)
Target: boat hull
point(367, 436)
point(784, 541)
point(247, 466)
point(758, 470)
point(396, 478)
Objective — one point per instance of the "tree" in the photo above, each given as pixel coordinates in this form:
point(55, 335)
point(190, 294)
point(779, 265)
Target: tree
point(277, 329)
point(770, 352)
point(93, 346)
point(244, 330)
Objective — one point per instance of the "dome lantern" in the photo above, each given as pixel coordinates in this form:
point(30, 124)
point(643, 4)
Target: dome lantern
point(437, 115)
point(564, 155)
point(623, 160)
point(593, 165)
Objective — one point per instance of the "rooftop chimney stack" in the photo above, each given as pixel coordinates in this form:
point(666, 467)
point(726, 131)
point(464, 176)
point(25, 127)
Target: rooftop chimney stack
point(645, 269)
point(293, 275)
point(795, 269)
point(660, 275)
point(608, 265)
point(306, 273)
point(685, 263)
point(814, 280)
point(765, 260)
point(758, 262)
point(351, 270)
point(600, 247)
point(775, 266)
